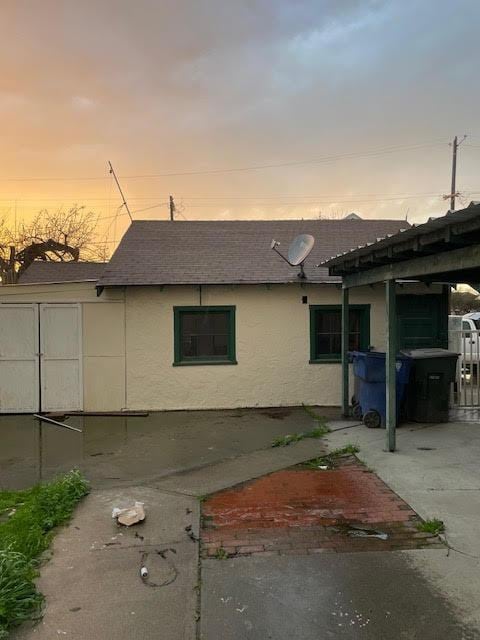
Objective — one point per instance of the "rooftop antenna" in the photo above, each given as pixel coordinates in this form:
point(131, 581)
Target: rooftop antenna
point(124, 203)
point(298, 251)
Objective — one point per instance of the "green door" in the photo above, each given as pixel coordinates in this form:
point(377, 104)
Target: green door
point(422, 321)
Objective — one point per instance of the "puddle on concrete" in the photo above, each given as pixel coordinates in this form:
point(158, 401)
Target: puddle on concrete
point(113, 450)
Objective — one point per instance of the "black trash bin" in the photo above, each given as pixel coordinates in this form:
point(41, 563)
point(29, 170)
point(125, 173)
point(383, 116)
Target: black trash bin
point(428, 392)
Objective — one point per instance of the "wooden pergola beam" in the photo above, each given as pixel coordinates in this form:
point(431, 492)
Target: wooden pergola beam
point(465, 258)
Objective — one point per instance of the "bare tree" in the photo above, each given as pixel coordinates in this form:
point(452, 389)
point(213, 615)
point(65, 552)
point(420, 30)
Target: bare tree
point(464, 302)
point(61, 236)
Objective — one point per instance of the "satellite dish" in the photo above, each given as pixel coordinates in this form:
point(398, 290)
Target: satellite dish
point(300, 248)
point(298, 251)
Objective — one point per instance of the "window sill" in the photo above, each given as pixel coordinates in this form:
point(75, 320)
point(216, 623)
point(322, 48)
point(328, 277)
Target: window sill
point(189, 363)
point(325, 361)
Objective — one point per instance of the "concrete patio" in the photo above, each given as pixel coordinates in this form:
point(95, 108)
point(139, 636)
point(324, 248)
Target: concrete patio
point(92, 582)
point(436, 470)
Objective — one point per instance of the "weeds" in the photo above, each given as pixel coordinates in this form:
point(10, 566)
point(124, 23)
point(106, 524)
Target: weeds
point(284, 441)
point(221, 554)
point(433, 526)
point(313, 414)
point(330, 458)
point(318, 432)
point(27, 520)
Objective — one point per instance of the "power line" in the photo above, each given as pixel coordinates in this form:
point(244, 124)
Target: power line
point(153, 206)
point(228, 196)
point(314, 196)
point(313, 202)
point(253, 167)
point(332, 158)
point(251, 197)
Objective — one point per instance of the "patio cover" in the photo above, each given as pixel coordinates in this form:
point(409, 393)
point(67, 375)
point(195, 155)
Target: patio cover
point(445, 249)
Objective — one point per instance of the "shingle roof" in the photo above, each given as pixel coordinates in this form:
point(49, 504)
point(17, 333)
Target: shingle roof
point(231, 252)
point(57, 272)
point(459, 221)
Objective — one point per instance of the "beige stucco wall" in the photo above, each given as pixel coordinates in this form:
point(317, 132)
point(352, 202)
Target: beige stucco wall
point(272, 348)
point(128, 344)
point(103, 330)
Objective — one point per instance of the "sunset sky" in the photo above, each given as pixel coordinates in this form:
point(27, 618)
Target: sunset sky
point(356, 100)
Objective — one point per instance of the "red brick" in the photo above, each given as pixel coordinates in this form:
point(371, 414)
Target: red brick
point(278, 546)
point(243, 542)
point(295, 509)
point(250, 549)
point(230, 550)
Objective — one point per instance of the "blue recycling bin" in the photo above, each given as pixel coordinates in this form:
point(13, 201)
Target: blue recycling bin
point(370, 377)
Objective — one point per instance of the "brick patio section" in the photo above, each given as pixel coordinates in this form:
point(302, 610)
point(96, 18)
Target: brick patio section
point(300, 510)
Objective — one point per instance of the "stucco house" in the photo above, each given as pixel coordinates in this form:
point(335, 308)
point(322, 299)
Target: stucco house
point(194, 315)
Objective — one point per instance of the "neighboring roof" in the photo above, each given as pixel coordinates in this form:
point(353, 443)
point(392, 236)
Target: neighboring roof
point(437, 235)
point(230, 252)
point(40, 272)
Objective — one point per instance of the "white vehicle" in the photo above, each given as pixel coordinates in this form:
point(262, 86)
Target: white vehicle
point(464, 334)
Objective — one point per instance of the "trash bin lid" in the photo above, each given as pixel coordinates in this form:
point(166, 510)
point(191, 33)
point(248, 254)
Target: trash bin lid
point(427, 354)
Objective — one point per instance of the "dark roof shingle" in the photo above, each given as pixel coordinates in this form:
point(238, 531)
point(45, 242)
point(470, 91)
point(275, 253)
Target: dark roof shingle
point(231, 252)
point(57, 272)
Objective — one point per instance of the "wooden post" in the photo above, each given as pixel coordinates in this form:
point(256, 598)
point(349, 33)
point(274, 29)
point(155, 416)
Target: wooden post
point(345, 334)
point(390, 364)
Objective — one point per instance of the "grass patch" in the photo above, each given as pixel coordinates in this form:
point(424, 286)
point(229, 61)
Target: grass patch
point(329, 459)
point(27, 520)
point(433, 526)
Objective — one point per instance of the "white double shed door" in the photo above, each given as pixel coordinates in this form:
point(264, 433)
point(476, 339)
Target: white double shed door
point(40, 357)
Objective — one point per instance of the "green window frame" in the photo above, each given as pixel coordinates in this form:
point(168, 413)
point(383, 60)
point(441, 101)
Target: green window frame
point(181, 335)
point(358, 313)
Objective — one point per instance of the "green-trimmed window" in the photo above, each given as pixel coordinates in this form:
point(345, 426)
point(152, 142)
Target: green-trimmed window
point(326, 331)
point(204, 335)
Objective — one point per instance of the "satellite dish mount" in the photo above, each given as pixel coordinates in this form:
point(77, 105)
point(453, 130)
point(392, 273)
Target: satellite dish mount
point(298, 252)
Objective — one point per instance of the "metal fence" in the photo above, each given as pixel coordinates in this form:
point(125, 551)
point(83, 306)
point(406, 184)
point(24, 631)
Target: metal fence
point(466, 390)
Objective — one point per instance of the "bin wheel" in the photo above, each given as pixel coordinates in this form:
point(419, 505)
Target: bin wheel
point(372, 420)
point(357, 411)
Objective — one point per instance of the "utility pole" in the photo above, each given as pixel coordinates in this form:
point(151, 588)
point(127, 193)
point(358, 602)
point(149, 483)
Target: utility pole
point(11, 275)
point(124, 202)
point(453, 192)
point(172, 208)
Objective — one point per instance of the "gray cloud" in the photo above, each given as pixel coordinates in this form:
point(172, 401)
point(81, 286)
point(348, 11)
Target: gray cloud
point(184, 85)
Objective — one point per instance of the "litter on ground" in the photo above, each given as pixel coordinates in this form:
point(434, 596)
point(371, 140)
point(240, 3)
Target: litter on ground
point(130, 515)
